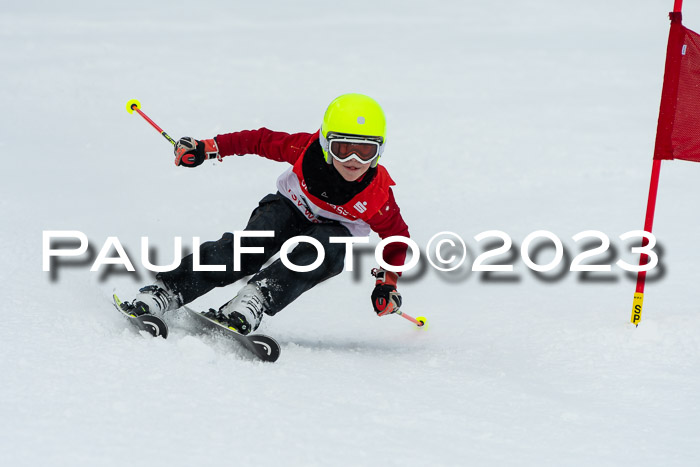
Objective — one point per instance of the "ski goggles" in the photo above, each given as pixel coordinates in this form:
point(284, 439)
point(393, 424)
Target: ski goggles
point(344, 148)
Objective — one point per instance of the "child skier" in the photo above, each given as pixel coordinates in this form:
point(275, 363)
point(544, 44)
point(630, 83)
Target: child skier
point(334, 188)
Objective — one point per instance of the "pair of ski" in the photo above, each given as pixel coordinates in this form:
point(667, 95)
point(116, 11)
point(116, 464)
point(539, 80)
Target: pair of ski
point(263, 347)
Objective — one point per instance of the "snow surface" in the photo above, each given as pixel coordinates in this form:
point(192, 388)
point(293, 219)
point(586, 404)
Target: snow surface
point(517, 116)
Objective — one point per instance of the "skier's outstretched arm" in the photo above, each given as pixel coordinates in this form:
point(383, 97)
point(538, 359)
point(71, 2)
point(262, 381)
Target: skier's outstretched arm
point(274, 145)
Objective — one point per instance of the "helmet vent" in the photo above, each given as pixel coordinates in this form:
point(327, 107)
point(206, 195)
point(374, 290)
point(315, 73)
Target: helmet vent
point(361, 120)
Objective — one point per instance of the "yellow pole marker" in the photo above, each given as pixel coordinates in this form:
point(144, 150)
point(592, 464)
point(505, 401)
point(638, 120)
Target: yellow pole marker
point(130, 105)
point(637, 308)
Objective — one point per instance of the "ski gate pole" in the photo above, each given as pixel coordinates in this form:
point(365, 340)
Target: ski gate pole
point(638, 300)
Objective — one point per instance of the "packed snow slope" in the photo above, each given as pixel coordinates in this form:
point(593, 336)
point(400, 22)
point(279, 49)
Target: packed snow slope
point(512, 116)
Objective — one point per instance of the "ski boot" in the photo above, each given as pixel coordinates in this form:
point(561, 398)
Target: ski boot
point(244, 313)
point(152, 299)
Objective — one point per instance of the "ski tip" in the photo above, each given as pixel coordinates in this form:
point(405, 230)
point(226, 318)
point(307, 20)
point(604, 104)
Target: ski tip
point(267, 348)
point(153, 325)
point(132, 104)
point(116, 299)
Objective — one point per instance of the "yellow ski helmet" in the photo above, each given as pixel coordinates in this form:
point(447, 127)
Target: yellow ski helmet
point(353, 115)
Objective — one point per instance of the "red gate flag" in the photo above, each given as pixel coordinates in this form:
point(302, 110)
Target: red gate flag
point(678, 131)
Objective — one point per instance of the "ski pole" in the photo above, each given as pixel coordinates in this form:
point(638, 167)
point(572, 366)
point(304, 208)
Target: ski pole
point(420, 321)
point(133, 104)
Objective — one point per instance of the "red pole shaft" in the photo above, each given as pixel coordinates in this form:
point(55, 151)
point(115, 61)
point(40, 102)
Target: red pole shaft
point(649, 219)
point(410, 318)
point(153, 124)
point(651, 202)
point(145, 117)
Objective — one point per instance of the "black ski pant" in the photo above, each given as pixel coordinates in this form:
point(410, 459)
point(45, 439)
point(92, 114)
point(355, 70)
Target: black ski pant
point(279, 285)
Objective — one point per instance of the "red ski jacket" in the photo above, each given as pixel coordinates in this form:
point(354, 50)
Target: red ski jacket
point(366, 204)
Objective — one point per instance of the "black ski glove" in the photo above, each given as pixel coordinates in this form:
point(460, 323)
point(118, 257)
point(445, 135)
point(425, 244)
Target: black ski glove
point(190, 152)
point(385, 298)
